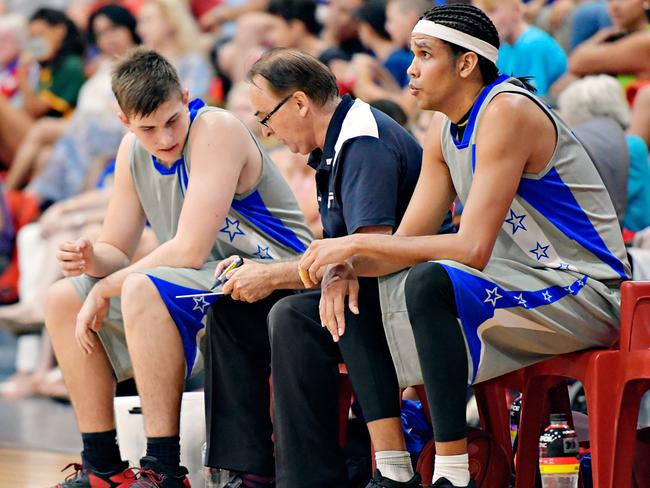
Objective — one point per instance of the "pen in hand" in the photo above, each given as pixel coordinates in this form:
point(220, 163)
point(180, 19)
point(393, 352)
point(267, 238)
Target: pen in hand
point(236, 263)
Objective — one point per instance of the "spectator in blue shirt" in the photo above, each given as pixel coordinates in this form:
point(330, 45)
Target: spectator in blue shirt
point(525, 49)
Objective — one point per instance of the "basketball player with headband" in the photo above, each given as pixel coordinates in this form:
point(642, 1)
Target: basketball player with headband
point(534, 270)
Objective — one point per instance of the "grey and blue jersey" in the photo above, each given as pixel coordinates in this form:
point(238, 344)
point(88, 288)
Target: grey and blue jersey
point(265, 223)
point(552, 283)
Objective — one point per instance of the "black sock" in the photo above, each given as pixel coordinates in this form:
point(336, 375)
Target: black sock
point(167, 450)
point(101, 451)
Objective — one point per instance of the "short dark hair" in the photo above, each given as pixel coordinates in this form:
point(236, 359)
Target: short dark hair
point(119, 16)
point(143, 80)
point(473, 21)
point(302, 10)
point(289, 70)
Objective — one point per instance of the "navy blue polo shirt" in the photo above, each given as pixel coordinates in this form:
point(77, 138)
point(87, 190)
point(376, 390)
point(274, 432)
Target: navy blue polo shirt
point(366, 171)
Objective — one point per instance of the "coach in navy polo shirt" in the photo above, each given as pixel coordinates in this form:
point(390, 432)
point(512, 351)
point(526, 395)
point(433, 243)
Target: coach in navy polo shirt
point(367, 167)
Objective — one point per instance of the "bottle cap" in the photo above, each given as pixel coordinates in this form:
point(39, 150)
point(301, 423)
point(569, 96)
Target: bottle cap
point(558, 417)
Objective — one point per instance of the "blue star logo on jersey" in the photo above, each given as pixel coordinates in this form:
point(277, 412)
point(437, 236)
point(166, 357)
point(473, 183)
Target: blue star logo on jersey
point(263, 252)
point(565, 266)
point(517, 221)
point(492, 296)
point(569, 289)
point(520, 300)
point(581, 281)
point(232, 229)
point(200, 304)
point(547, 296)
point(540, 251)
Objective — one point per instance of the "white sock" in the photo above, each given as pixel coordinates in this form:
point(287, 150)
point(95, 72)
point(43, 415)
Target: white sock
point(454, 468)
point(394, 465)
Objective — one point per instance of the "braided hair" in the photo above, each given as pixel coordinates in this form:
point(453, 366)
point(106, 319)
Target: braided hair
point(474, 22)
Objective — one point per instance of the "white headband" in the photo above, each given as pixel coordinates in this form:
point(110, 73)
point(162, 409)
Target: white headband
point(444, 33)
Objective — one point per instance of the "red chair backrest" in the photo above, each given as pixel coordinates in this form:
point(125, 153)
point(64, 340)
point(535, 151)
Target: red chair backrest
point(635, 315)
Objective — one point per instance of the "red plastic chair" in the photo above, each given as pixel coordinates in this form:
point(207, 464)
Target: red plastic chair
point(613, 376)
point(626, 377)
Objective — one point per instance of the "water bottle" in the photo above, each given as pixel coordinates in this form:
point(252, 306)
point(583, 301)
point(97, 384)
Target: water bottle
point(515, 415)
point(558, 454)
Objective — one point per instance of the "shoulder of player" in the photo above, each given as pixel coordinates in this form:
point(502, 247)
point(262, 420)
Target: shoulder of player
point(512, 111)
point(218, 124)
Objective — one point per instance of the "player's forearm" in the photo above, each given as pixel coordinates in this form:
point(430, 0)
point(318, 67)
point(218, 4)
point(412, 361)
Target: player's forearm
point(106, 260)
point(379, 255)
point(170, 253)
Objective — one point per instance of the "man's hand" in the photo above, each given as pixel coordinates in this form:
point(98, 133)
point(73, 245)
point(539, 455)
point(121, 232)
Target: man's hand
point(338, 282)
point(75, 257)
point(323, 252)
point(249, 282)
point(90, 319)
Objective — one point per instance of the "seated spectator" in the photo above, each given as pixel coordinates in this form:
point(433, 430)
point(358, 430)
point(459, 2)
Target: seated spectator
point(588, 18)
point(525, 49)
point(228, 12)
point(340, 27)
point(167, 26)
point(590, 105)
point(401, 16)
point(55, 45)
point(12, 33)
point(376, 39)
point(93, 131)
point(622, 51)
point(296, 26)
point(369, 79)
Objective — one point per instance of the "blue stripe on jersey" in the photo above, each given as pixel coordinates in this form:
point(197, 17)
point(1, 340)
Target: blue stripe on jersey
point(471, 121)
point(187, 313)
point(478, 298)
point(253, 209)
point(473, 158)
point(554, 200)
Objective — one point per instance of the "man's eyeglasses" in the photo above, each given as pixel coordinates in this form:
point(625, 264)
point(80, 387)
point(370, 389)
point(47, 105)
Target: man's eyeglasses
point(265, 120)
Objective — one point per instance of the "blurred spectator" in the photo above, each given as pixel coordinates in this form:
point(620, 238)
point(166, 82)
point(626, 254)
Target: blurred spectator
point(401, 17)
point(420, 122)
point(238, 102)
point(525, 49)
point(94, 132)
point(296, 26)
point(595, 102)
point(228, 11)
point(12, 37)
point(341, 26)
point(386, 77)
point(55, 45)
point(302, 180)
point(588, 18)
point(233, 58)
point(375, 38)
point(623, 50)
point(393, 110)
point(168, 27)
point(640, 118)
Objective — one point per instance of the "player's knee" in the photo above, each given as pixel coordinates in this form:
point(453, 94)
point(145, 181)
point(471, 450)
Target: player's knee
point(138, 296)
point(62, 303)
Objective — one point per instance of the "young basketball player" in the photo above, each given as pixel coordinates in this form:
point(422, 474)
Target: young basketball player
point(208, 190)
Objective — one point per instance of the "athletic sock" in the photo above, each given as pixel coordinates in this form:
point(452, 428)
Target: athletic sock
point(394, 465)
point(454, 468)
point(167, 450)
point(101, 451)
